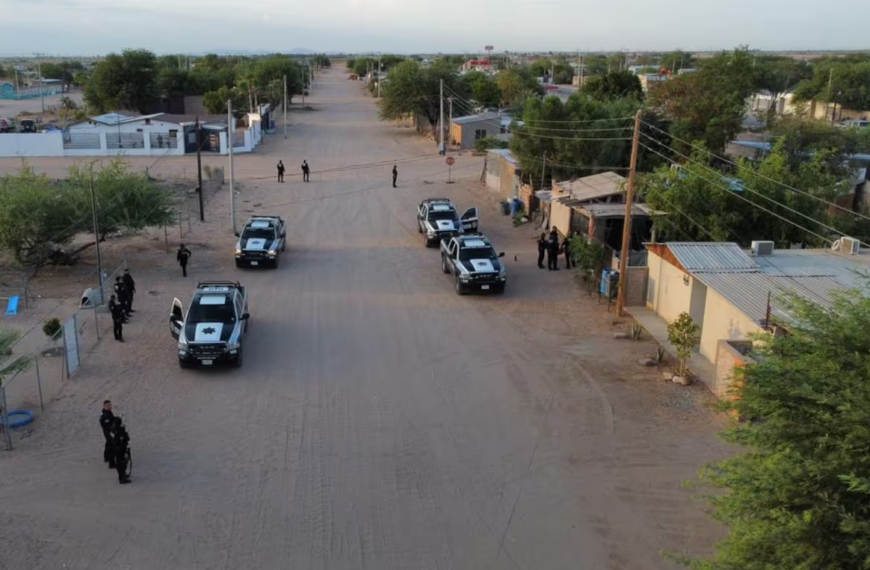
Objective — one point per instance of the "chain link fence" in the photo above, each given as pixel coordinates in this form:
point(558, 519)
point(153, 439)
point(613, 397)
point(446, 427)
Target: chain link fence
point(56, 360)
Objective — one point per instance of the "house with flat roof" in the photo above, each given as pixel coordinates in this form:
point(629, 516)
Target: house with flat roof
point(732, 294)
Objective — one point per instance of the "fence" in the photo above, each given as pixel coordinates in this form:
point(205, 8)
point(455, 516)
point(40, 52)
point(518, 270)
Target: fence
point(58, 359)
point(14, 284)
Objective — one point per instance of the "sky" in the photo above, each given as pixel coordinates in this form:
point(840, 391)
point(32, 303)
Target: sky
point(95, 27)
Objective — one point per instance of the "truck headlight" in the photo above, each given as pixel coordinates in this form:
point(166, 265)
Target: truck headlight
point(238, 251)
point(233, 346)
point(182, 345)
point(430, 234)
point(502, 273)
point(465, 277)
point(272, 252)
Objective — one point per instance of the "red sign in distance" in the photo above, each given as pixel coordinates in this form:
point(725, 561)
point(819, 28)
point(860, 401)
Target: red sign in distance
point(450, 160)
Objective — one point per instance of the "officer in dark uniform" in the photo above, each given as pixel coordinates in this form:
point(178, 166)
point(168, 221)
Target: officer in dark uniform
point(182, 256)
point(542, 250)
point(120, 443)
point(395, 175)
point(566, 249)
point(122, 296)
point(117, 319)
point(131, 288)
point(107, 421)
point(553, 251)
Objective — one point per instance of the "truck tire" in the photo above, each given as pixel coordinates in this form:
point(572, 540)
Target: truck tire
point(237, 363)
point(275, 263)
point(444, 267)
point(419, 227)
point(499, 289)
point(238, 264)
point(460, 290)
point(182, 364)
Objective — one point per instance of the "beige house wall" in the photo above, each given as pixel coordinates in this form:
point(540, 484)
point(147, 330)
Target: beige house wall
point(667, 293)
point(723, 321)
point(560, 217)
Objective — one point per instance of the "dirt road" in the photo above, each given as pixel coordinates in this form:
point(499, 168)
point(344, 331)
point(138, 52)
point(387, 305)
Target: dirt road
point(379, 421)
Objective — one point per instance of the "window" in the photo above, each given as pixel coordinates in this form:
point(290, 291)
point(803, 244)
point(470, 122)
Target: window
point(480, 134)
point(502, 129)
point(147, 122)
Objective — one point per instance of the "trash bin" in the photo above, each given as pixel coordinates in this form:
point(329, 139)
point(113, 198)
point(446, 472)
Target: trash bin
point(605, 279)
point(505, 208)
point(516, 207)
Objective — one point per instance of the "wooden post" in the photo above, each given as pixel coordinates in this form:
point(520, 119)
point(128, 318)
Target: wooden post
point(626, 227)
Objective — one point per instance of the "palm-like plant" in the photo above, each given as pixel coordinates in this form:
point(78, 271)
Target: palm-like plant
point(10, 366)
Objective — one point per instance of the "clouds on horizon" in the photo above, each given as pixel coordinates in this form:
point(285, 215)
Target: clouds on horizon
point(168, 26)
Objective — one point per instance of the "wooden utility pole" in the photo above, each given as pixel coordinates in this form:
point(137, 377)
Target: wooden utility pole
point(231, 135)
point(626, 227)
point(285, 106)
point(199, 169)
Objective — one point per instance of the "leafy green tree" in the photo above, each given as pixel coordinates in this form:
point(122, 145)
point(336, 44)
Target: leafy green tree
point(322, 60)
point(65, 70)
point(483, 88)
point(215, 102)
point(676, 60)
point(594, 65)
point(9, 365)
point(683, 335)
point(275, 68)
point(708, 105)
point(517, 85)
point(414, 90)
point(777, 74)
point(125, 81)
point(489, 143)
point(843, 82)
point(362, 65)
point(798, 495)
point(614, 85)
point(3, 71)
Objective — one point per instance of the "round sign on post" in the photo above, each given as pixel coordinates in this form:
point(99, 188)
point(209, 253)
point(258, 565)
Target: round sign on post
point(450, 160)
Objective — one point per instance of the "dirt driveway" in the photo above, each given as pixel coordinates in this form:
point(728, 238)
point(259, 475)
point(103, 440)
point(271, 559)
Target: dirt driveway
point(379, 421)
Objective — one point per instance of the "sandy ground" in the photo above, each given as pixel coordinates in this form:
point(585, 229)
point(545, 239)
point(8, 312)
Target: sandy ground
point(379, 421)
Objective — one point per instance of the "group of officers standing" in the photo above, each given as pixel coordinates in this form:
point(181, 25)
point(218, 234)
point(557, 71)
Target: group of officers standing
point(117, 442)
point(121, 303)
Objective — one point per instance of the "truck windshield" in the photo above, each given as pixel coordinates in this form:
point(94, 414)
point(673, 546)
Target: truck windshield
point(467, 253)
point(258, 233)
point(200, 313)
point(443, 215)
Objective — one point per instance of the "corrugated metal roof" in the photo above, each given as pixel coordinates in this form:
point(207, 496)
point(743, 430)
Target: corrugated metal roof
point(469, 119)
point(505, 154)
point(601, 211)
point(712, 256)
point(593, 187)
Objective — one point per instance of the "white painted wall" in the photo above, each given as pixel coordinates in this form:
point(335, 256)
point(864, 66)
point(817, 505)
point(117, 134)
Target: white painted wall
point(667, 294)
point(13, 145)
point(722, 321)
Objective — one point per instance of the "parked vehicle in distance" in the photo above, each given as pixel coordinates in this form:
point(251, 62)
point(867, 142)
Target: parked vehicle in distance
point(437, 218)
point(474, 264)
point(213, 329)
point(261, 242)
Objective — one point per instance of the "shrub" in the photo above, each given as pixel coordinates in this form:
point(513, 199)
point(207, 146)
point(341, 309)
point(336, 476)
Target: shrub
point(51, 327)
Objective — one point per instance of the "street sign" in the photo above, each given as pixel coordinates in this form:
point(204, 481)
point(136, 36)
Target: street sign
point(450, 160)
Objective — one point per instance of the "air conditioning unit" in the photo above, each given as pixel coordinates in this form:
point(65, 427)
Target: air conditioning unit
point(850, 245)
point(762, 248)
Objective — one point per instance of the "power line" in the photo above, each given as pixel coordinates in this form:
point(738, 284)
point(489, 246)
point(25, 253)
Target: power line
point(705, 167)
point(763, 176)
point(737, 195)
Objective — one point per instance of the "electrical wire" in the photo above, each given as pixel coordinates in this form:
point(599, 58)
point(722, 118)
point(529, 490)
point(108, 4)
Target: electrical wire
point(769, 199)
point(737, 195)
point(763, 176)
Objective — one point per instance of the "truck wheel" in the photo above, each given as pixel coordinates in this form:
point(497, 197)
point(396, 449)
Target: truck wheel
point(183, 364)
point(275, 263)
point(419, 229)
point(499, 289)
point(237, 363)
point(444, 267)
point(460, 290)
point(238, 264)
point(427, 242)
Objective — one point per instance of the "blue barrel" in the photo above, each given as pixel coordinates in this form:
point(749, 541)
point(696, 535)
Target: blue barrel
point(505, 209)
point(605, 280)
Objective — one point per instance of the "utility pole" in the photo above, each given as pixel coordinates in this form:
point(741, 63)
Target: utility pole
point(302, 73)
point(96, 235)
point(285, 106)
point(543, 170)
point(39, 73)
point(441, 146)
point(379, 75)
point(231, 131)
point(450, 123)
point(626, 227)
point(199, 168)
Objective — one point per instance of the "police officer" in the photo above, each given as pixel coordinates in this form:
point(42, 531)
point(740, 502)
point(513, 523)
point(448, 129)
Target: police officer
point(131, 288)
point(395, 175)
point(306, 171)
point(553, 251)
point(120, 443)
point(566, 248)
point(107, 421)
point(182, 256)
point(280, 171)
point(117, 319)
point(122, 295)
point(542, 250)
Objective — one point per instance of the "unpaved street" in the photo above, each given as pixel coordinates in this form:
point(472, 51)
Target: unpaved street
point(379, 421)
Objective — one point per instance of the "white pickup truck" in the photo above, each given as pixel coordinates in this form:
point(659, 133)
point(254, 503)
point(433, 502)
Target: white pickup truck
point(474, 264)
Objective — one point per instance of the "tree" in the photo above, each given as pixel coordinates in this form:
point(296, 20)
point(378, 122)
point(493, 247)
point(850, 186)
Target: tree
point(777, 74)
point(614, 85)
point(3, 71)
point(415, 90)
point(798, 496)
point(708, 105)
point(65, 71)
point(10, 366)
point(683, 335)
point(322, 60)
point(488, 143)
point(517, 85)
point(843, 82)
point(676, 60)
point(125, 81)
point(483, 88)
point(215, 102)
point(275, 68)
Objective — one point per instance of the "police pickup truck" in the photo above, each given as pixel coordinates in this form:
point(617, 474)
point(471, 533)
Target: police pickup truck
point(213, 329)
point(437, 218)
point(474, 264)
point(262, 240)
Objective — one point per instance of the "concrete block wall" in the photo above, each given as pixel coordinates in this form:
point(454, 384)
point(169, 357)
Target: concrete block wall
point(636, 286)
point(728, 359)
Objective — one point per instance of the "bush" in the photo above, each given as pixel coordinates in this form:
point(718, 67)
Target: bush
point(489, 143)
point(51, 327)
